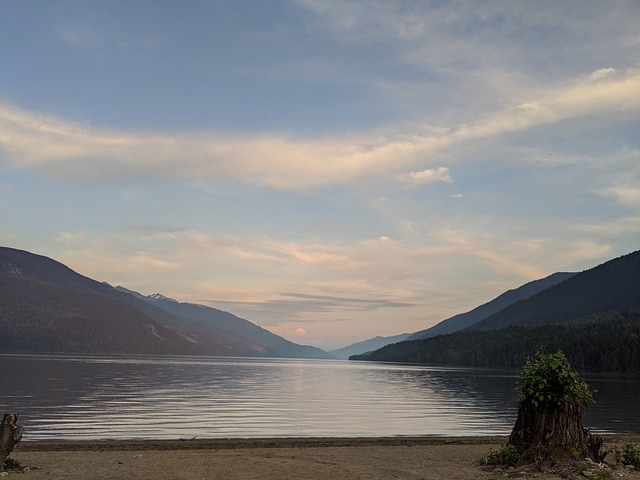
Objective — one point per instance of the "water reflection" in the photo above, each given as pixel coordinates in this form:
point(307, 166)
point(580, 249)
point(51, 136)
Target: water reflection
point(177, 397)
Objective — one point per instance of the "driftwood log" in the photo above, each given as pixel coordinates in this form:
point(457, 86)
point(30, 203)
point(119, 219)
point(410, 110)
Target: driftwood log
point(10, 436)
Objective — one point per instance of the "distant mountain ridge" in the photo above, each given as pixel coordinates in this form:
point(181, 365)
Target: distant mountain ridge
point(47, 307)
point(367, 345)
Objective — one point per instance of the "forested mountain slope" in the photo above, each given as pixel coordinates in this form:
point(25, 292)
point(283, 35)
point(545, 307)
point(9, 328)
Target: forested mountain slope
point(609, 342)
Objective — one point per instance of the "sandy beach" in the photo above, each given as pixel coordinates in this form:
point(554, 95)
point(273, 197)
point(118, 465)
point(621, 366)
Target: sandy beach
point(271, 459)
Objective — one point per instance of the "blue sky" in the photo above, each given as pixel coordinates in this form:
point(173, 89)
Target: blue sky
point(330, 170)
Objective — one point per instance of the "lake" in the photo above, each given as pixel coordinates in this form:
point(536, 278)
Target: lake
point(117, 397)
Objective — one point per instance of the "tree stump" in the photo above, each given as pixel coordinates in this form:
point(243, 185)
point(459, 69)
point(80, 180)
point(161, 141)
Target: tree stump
point(10, 436)
point(553, 432)
point(549, 424)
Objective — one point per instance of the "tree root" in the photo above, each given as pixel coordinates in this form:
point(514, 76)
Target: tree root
point(11, 465)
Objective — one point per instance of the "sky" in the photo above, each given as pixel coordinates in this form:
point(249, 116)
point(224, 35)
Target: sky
point(329, 170)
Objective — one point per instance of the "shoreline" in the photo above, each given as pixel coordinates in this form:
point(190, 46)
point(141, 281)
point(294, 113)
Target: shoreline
point(278, 442)
point(240, 443)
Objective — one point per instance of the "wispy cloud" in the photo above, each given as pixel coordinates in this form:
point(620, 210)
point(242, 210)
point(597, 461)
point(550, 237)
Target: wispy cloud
point(627, 193)
point(90, 37)
point(360, 276)
point(57, 147)
point(332, 303)
point(459, 39)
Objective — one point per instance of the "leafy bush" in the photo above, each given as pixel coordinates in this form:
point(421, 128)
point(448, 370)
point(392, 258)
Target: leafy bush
point(547, 380)
point(505, 455)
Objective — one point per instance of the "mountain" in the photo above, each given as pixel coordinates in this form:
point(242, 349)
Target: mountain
point(611, 287)
point(367, 346)
point(594, 316)
point(47, 307)
point(464, 320)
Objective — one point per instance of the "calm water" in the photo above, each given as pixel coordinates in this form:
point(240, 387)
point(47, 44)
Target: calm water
point(97, 397)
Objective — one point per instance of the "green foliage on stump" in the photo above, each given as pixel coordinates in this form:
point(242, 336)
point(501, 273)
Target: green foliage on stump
point(547, 380)
point(552, 401)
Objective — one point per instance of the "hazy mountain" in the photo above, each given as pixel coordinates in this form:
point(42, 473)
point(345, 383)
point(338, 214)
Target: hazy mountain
point(367, 346)
point(464, 320)
point(47, 307)
point(202, 322)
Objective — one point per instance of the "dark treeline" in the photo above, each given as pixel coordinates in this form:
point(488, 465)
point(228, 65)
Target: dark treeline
point(606, 342)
